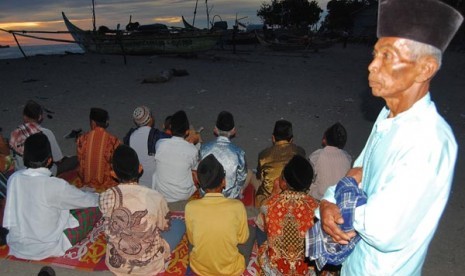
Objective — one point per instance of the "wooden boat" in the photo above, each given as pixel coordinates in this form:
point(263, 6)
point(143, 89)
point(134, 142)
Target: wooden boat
point(143, 41)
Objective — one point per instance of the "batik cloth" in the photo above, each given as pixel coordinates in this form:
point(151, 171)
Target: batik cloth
point(134, 218)
point(319, 245)
point(94, 152)
point(288, 216)
point(271, 162)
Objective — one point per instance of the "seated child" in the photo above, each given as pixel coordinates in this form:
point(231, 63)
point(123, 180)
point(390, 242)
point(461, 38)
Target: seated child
point(215, 225)
point(135, 217)
point(287, 215)
point(37, 211)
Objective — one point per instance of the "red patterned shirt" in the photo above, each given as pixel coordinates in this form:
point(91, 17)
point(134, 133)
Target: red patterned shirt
point(94, 152)
point(289, 215)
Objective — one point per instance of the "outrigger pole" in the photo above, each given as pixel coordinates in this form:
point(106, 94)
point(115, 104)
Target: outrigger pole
point(24, 33)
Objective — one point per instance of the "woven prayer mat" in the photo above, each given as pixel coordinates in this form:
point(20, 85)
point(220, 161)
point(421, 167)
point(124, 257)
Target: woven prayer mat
point(89, 255)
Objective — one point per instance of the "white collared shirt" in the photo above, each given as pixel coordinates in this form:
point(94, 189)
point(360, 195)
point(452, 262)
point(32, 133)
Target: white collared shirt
point(37, 213)
point(175, 159)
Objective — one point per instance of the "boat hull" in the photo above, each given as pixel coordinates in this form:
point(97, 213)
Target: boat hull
point(143, 43)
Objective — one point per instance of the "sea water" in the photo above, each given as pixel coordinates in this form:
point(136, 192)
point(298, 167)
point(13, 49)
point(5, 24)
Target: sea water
point(54, 49)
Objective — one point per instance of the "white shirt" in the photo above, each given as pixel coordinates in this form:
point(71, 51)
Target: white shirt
point(175, 159)
point(408, 166)
point(138, 142)
point(37, 213)
point(330, 164)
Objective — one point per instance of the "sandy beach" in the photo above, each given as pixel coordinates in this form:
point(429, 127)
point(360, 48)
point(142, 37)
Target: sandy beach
point(312, 90)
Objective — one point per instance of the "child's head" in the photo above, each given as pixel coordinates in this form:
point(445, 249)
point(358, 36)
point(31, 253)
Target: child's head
point(179, 124)
point(336, 136)
point(282, 131)
point(37, 151)
point(125, 164)
point(210, 173)
point(298, 174)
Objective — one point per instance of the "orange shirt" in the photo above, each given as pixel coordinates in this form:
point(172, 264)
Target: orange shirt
point(94, 152)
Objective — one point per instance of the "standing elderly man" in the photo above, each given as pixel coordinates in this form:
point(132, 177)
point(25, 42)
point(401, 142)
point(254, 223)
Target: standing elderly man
point(407, 165)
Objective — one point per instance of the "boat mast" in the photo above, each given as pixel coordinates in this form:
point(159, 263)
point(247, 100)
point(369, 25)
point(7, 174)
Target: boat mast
point(208, 14)
point(195, 12)
point(93, 15)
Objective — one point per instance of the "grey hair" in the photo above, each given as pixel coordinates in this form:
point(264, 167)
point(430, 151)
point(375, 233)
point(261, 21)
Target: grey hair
point(420, 49)
point(224, 133)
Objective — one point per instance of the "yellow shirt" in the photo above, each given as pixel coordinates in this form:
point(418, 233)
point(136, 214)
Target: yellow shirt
point(215, 225)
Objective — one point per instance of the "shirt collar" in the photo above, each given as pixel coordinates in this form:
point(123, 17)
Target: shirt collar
point(213, 195)
point(38, 171)
point(282, 142)
point(417, 108)
point(222, 139)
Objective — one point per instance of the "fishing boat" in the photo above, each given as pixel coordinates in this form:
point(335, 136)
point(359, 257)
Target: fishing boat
point(4, 46)
point(142, 40)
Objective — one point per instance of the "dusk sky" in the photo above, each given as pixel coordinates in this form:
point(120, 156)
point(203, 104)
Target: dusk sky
point(45, 15)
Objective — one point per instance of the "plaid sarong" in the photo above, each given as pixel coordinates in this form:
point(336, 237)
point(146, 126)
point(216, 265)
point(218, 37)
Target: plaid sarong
point(319, 245)
point(87, 218)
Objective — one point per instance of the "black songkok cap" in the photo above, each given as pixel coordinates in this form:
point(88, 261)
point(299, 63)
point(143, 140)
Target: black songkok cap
point(210, 172)
point(98, 115)
point(125, 163)
point(225, 121)
point(298, 173)
point(36, 150)
point(179, 123)
point(428, 21)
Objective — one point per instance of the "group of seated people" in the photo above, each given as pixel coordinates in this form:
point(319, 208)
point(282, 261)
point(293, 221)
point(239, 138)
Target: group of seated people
point(136, 183)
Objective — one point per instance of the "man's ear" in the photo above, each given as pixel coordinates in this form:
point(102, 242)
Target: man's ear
point(273, 139)
point(428, 66)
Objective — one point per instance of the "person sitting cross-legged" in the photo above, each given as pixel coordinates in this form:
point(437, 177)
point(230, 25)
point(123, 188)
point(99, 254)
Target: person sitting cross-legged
point(137, 219)
point(143, 139)
point(215, 225)
point(230, 156)
point(285, 217)
point(45, 215)
point(94, 151)
point(175, 162)
point(272, 160)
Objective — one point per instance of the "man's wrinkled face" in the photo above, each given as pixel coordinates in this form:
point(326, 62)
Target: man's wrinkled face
point(392, 70)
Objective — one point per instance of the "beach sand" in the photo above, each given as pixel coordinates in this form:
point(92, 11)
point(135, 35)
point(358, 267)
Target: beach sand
point(312, 90)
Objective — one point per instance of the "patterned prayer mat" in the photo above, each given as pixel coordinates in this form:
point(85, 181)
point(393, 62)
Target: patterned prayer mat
point(89, 255)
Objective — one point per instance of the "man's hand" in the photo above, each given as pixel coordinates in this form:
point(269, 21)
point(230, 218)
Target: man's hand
point(330, 219)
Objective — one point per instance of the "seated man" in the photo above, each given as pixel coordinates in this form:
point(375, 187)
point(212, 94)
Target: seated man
point(215, 225)
point(37, 211)
point(175, 162)
point(143, 139)
point(94, 151)
point(230, 156)
point(32, 118)
point(331, 163)
point(272, 160)
point(135, 217)
point(285, 217)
